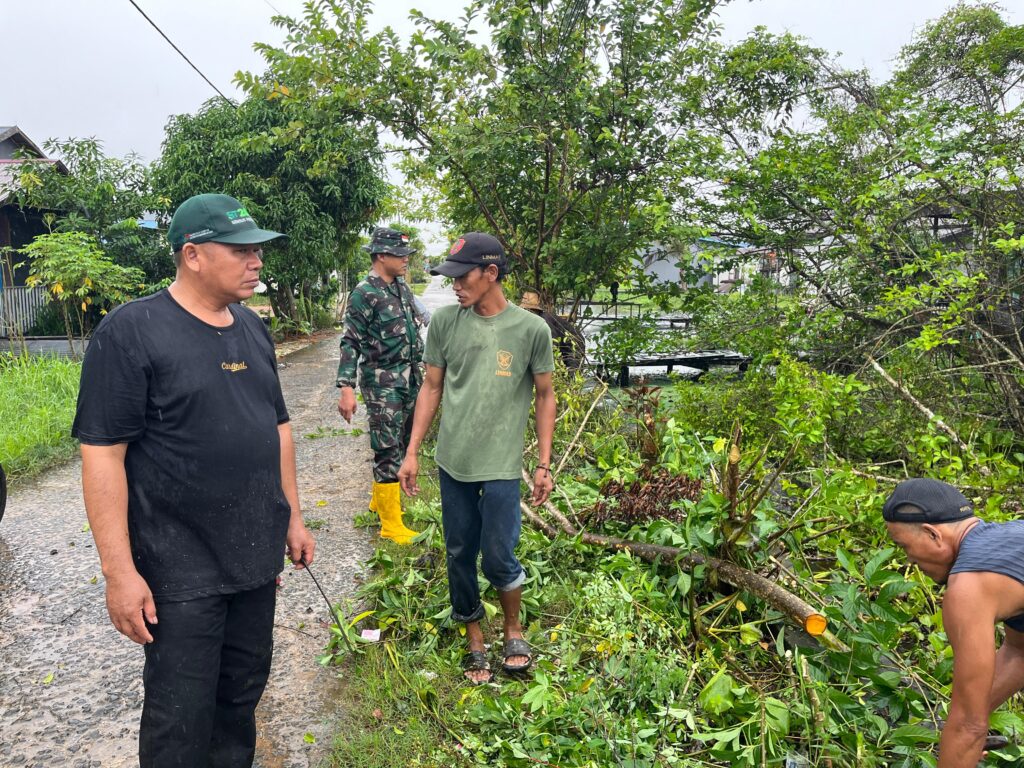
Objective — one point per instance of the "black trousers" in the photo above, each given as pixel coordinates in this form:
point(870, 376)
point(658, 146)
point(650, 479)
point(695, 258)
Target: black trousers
point(205, 672)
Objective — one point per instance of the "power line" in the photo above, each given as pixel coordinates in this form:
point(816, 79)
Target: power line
point(186, 58)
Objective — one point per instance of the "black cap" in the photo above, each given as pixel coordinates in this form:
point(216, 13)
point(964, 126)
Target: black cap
point(215, 218)
point(923, 500)
point(387, 240)
point(473, 249)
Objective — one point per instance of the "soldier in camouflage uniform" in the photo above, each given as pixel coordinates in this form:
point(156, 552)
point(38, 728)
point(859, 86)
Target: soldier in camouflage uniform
point(382, 329)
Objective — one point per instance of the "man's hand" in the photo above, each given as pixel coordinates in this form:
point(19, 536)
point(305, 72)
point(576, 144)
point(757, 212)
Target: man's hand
point(542, 485)
point(407, 474)
point(299, 544)
point(129, 600)
point(347, 403)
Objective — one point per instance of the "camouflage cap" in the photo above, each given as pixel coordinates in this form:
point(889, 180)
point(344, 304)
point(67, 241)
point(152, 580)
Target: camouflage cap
point(387, 240)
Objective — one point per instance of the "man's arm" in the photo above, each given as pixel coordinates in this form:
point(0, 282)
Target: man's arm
point(105, 488)
point(299, 542)
point(1009, 672)
point(357, 323)
point(969, 617)
point(544, 406)
point(427, 402)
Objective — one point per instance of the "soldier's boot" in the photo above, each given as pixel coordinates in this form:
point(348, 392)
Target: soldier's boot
point(389, 508)
point(374, 506)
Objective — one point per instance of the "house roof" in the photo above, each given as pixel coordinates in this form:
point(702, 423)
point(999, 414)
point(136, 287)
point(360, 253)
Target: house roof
point(9, 174)
point(9, 167)
point(15, 133)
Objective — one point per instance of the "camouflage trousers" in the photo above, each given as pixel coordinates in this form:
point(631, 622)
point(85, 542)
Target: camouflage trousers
point(390, 416)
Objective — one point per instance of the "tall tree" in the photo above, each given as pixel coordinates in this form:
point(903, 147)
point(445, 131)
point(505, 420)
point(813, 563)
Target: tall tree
point(566, 129)
point(900, 204)
point(318, 180)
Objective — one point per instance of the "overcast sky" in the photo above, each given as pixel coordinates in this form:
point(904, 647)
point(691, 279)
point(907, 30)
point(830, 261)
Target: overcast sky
point(84, 68)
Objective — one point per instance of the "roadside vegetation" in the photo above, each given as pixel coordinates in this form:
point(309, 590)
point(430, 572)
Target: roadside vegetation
point(36, 411)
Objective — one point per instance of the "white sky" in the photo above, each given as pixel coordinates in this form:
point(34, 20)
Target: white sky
point(97, 68)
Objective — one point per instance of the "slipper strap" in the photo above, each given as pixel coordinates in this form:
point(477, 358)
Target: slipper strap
point(517, 646)
point(475, 661)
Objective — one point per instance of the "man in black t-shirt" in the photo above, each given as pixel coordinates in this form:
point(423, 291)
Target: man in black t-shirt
point(188, 473)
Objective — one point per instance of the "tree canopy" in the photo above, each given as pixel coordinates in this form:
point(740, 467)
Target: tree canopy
point(320, 189)
point(568, 129)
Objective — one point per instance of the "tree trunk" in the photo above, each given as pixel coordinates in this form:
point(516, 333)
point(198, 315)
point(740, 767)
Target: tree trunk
point(779, 598)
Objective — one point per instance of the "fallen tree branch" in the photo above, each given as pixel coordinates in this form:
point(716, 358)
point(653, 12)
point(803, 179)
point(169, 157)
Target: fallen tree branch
point(781, 599)
point(907, 395)
point(579, 431)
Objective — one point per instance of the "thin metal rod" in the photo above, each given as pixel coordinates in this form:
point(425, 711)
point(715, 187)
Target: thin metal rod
point(330, 607)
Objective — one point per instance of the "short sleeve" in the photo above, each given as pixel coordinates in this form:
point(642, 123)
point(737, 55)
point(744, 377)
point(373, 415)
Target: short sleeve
point(542, 357)
point(279, 404)
point(434, 353)
point(112, 394)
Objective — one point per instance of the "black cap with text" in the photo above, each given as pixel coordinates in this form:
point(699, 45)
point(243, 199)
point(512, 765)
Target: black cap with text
point(472, 250)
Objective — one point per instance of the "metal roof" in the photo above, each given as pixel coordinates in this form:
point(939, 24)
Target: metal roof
point(9, 174)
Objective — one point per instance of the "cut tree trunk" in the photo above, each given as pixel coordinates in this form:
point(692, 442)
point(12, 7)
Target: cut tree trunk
point(778, 597)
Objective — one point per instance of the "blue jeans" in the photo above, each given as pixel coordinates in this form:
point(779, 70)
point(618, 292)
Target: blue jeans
point(479, 518)
point(205, 672)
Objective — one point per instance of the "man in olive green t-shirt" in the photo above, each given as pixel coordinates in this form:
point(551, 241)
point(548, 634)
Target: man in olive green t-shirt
point(489, 359)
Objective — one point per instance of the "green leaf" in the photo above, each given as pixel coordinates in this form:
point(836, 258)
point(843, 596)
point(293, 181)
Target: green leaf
point(717, 696)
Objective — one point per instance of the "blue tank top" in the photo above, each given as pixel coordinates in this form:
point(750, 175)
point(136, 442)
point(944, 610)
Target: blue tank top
point(995, 548)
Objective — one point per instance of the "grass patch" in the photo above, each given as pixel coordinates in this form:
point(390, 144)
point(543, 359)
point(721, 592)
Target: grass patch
point(419, 288)
point(652, 665)
point(36, 411)
point(389, 718)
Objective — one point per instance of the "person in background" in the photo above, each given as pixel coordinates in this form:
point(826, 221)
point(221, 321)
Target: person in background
point(566, 336)
point(382, 337)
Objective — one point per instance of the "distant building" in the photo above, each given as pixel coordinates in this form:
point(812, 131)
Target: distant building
point(19, 304)
point(700, 264)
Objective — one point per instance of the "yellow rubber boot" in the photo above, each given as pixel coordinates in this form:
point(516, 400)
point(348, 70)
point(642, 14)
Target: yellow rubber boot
point(389, 509)
point(373, 499)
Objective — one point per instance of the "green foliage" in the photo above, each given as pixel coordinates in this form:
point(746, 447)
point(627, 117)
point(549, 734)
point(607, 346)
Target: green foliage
point(102, 196)
point(566, 131)
point(630, 337)
point(320, 190)
point(36, 411)
point(896, 205)
point(79, 277)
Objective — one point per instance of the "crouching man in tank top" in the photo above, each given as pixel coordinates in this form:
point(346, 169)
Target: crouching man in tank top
point(982, 565)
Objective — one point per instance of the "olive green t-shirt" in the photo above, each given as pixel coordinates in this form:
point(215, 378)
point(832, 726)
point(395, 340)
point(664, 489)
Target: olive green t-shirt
point(489, 364)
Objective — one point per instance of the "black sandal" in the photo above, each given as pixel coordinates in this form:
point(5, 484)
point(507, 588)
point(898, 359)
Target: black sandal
point(476, 661)
point(516, 646)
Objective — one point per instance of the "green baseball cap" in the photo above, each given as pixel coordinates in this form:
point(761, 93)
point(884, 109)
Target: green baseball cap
point(212, 218)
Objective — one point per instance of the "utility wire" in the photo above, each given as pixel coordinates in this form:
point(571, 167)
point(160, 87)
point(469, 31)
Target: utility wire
point(186, 58)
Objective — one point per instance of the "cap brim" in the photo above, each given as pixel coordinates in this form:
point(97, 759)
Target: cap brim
point(248, 237)
point(453, 268)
